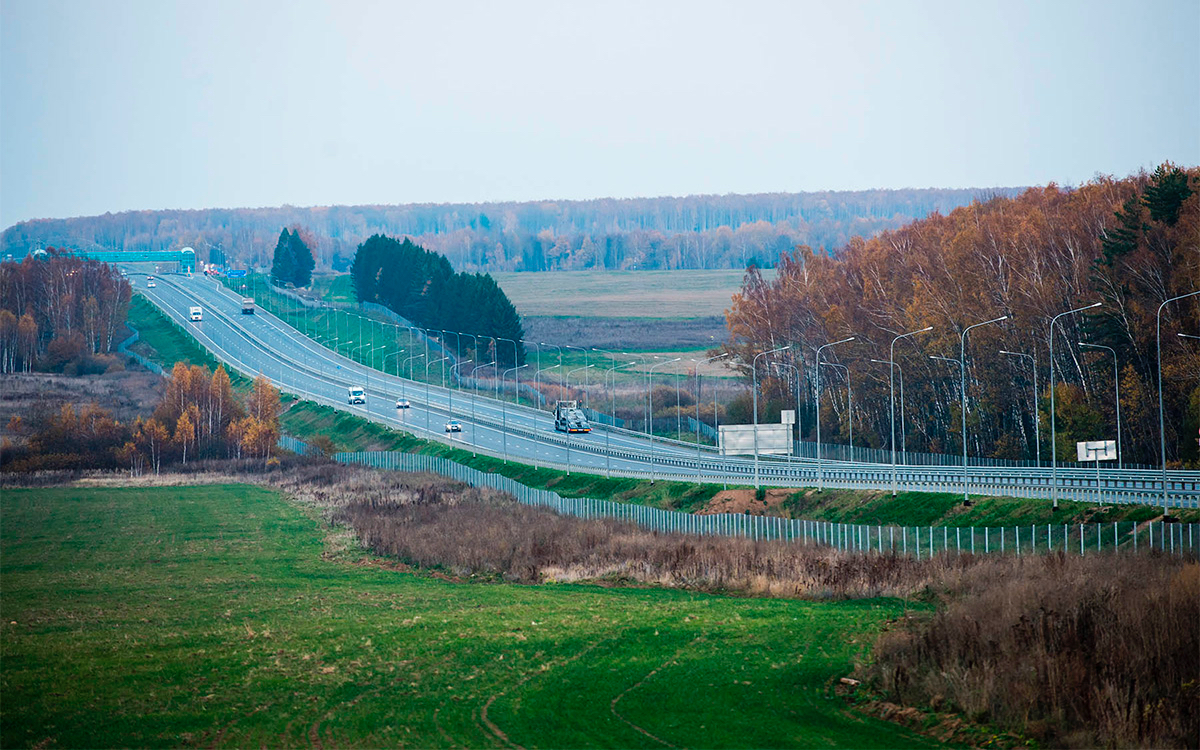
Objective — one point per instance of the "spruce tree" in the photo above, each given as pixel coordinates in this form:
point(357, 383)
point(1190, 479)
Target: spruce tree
point(1165, 194)
point(281, 263)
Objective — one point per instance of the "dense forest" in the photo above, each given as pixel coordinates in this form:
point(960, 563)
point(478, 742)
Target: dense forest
point(60, 312)
point(1129, 244)
point(421, 286)
point(708, 231)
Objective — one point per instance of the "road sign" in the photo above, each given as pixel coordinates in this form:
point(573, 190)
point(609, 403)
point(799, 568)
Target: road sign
point(738, 439)
point(787, 416)
point(1097, 450)
point(236, 273)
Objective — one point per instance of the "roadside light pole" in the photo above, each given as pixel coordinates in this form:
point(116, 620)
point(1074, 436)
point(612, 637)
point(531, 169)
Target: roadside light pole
point(410, 371)
point(792, 369)
point(504, 411)
point(962, 366)
point(569, 373)
point(698, 363)
point(959, 363)
point(650, 421)
point(1162, 430)
point(612, 393)
point(535, 377)
point(474, 424)
point(1053, 433)
point(892, 405)
point(1037, 418)
point(1117, 390)
point(559, 348)
point(820, 466)
point(850, 402)
point(450, 391)
point(585, 382)
point(429, 406)
point(754, 373)
point(395, 354)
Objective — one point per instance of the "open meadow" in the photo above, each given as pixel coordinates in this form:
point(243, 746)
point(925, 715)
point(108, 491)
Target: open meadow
point(623, 294)
point(223, 615)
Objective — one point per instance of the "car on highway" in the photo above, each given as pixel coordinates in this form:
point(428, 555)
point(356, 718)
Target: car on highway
point(454, 426)
point(402, 403)
point(356, 394)
point(150, 284)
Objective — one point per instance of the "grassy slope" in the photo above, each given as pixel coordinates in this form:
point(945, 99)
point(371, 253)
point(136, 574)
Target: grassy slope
point(307, 420)
point(161, 340)
point(207, 615)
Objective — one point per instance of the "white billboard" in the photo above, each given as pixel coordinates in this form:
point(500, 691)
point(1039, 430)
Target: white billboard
point(1097, 450)
point(738, 439)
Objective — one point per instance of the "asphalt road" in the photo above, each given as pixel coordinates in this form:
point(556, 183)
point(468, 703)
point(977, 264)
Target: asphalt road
point(262, 343)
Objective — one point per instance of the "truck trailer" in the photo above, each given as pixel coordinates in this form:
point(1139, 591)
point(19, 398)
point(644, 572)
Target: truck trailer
point(569, 418)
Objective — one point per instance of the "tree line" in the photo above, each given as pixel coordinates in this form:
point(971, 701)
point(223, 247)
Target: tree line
point(1129, 244)
point(60, 312)
point(702, 231)
point(421, 286)
point(198, 417)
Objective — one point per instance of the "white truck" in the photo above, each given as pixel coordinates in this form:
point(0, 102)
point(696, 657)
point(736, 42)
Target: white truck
point(356, 394)
point(196, 313)
point(247, 305)
point(569, 418)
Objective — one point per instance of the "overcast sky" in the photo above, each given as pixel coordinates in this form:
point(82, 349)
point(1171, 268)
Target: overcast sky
point(111, 106)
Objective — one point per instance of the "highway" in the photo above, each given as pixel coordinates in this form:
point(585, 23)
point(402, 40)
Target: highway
point(262, 343)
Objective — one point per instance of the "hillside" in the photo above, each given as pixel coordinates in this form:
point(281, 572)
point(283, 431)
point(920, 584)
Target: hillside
point(708, 231)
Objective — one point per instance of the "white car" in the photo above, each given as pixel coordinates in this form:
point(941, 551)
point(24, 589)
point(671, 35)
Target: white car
point(150, 284)
point(454, 426)
point(402, 403)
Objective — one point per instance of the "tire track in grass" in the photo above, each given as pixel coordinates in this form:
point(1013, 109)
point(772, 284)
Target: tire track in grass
point(612, 706)
point(489, 727)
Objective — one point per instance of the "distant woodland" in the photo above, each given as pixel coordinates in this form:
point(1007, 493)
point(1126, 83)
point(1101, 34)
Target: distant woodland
point(729, 231)
point(1129, 244)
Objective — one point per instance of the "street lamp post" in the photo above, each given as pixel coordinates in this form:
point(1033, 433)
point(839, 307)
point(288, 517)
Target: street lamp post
point(395, 354)
point(569, 372)
point(962, 361)
point(1162, 430)
point(612, 393)
point(1053, 432)
point(428, 405)
point(1117, 390)
point(820, 467)
point(754, 374)
point(799, 432)
point(504, 411)
point(698, 363)
point(892, 395)
point(585, 382)
point(850, 402)
point(1037, 418)
point(474, 424)
point(650, 421)
point(962, 384)
point(410, 370)
point(450, 391)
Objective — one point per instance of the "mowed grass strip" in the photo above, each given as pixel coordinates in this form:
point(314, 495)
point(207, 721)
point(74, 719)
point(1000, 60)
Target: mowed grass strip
point(207, 616)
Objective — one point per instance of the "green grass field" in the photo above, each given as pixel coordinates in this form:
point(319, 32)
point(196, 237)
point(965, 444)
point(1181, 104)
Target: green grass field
point(623, 294)
point(208, 616)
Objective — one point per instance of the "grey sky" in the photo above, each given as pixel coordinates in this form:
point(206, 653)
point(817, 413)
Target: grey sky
point(111, 106)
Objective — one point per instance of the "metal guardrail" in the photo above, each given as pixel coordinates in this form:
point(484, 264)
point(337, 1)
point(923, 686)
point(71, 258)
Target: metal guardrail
point(917, 541)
